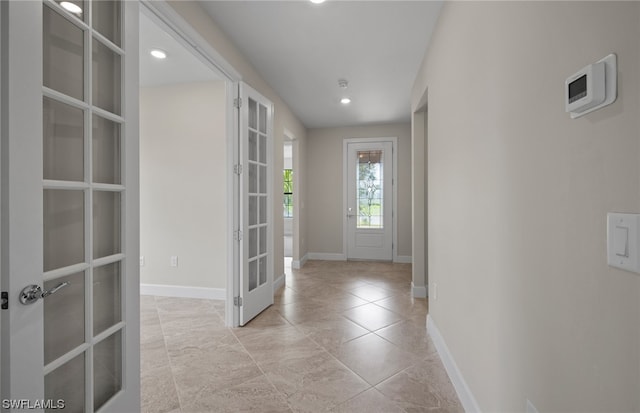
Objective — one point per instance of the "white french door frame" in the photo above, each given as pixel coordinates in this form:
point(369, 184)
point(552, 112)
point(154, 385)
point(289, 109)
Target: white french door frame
point(345, 191)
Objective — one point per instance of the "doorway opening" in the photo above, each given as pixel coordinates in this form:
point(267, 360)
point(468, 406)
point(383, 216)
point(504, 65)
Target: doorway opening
point(287, 203)
point(182, 125)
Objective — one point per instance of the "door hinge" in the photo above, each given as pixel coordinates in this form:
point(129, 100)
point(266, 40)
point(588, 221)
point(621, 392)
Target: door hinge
point(237, 169)
point(237, 235)
point(237, 102)
point(4, 299)
point(237, 301)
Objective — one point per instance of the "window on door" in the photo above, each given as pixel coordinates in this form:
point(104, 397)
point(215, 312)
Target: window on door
point(370, 189)
point(288, 193)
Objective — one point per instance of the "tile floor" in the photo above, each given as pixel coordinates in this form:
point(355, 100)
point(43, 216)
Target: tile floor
point(341, 337)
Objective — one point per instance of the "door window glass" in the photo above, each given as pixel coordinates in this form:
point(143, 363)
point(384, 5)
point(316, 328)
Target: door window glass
point(370, 189)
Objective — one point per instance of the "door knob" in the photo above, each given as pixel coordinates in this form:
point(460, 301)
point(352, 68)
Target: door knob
point(32, 293)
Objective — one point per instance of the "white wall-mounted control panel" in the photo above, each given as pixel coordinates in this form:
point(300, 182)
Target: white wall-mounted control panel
point(623, 241)
point(592, 87)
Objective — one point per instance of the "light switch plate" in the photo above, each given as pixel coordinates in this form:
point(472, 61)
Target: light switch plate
point(623, 253)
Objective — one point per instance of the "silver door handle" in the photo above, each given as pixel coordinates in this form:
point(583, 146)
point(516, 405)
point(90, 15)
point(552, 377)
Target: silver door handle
point(350, 215)
point(32, 293)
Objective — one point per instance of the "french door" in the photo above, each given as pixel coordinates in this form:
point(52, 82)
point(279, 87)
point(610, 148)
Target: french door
point(369, 193)
point(256, 146)
point(69, 168)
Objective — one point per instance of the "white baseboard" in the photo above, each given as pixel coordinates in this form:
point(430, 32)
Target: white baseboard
point(469, 402)
point(419, 291)
point(326, 257)
point(296, 265)
point(403, 259)
point(183, 292)
point(278, 282)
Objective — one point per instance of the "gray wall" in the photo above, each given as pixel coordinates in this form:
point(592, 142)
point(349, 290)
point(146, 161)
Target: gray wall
point(183, 196)
point(284, 120)
point(324, 184)
point(518, 197)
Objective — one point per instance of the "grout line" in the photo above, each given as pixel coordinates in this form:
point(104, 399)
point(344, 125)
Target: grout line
point(284, 397)
point(173, 377)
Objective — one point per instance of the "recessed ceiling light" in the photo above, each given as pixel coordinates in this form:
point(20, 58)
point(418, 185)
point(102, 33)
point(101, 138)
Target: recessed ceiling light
point(317, 1)
point(159, 54)
point(71, 7)
point(345, 101)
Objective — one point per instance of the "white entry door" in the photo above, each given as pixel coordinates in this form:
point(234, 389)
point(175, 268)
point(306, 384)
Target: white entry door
point(256, 144)
point(69, 167)
point(369, 203)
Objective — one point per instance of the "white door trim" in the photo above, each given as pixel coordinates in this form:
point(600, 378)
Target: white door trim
point(345, 147)
point(172, 22)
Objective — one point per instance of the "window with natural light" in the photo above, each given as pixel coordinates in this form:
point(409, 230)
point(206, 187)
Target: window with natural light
point(369, 180)
point(288, 193)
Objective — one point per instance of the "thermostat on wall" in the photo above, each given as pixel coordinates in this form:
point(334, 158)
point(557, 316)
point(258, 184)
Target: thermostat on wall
point(591, 88)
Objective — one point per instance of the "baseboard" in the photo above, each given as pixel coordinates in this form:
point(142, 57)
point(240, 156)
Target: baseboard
point(278, 282)
point(419, 291)
point(296, 265)
point(469, 402)
point(326, 257)
point(403, 259)
point(183, 292)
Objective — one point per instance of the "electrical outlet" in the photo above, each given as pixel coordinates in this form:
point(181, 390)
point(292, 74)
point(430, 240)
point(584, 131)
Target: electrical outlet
point(174, 260)
point(142, 260)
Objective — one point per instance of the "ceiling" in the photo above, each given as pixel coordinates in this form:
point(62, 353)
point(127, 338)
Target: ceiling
point(302, 50)
point(180, 66)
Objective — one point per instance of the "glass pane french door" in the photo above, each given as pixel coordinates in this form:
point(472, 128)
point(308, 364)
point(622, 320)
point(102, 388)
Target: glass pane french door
point(83, 194)
point(256, 140)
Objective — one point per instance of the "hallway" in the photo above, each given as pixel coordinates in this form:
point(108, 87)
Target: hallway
point(341, 337)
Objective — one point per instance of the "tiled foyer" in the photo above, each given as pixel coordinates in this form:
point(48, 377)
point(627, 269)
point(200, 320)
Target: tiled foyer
point(341, 337)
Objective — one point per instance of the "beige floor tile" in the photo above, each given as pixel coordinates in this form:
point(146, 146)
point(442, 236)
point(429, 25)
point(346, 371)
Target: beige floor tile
point(342, 300)
point(371, 316)
point(219, 305)
point(371, 293)
point(373, 358)
point(202, 337)
point(198, 372)
point(267, 319)
point(151, 331)
point(255, 395)
point(314, 383)
point(287, 295)
point(410, 337)
point(422, 387)
point(287, 344)
point(153, 354)
point(308, 310)
point(349, 284)
point(370, 401)
point(332, 334)
point(158, 392)
point(407, 306)
point(311, 351)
